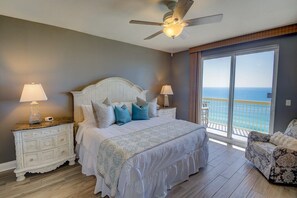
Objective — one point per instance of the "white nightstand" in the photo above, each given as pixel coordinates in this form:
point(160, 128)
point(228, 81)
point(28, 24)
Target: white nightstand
point(167, 112)
point(43, 147)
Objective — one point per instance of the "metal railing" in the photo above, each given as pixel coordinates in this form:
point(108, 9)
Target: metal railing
point(247, 115)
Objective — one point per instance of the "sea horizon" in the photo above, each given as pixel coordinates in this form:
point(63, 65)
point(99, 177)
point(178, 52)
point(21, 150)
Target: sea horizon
point(240, 93)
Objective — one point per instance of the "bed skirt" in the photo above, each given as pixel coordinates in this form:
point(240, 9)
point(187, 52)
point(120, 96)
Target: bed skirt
point(133, 184)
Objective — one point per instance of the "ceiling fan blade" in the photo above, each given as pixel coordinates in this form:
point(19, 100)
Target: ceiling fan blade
point(205, 20)
point(181, 8)
point(184, 35)
point(154, 35)
point(145, 23)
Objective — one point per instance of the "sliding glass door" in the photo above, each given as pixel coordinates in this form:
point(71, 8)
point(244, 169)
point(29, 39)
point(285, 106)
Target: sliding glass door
point(215, 94)
point(238, 92)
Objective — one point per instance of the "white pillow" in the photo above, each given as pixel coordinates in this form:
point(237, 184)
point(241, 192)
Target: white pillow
point(281, 139)
point(152, 106)
point(88, 114)
point(104, 114)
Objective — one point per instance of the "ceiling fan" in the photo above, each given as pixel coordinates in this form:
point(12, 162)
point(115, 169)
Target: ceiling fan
point(173, 23)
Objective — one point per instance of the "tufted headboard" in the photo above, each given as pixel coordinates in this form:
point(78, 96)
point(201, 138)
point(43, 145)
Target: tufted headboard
point(115, 88)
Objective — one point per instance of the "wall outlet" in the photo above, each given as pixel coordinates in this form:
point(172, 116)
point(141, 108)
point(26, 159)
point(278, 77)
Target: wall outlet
point(288, 103)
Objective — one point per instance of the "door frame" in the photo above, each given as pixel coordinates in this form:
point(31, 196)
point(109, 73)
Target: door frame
point(233, 55)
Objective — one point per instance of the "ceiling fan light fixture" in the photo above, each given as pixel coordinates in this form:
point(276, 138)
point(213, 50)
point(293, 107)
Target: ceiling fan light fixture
point(173, 30)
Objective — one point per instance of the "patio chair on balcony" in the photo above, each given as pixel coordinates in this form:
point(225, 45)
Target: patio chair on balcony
point(204, 114)
point(275, 155)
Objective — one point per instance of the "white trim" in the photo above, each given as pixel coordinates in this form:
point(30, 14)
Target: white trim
point(7, 166)
point(274, 88)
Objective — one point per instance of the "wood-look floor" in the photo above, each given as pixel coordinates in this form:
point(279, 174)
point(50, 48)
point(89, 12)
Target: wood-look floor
point(228, 174)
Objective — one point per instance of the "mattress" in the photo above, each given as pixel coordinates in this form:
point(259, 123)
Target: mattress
point(153, 171)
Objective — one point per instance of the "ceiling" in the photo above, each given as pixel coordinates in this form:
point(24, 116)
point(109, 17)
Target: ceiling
point(109, 18)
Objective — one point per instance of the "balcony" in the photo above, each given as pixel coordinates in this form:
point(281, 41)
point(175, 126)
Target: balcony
point(248, 116)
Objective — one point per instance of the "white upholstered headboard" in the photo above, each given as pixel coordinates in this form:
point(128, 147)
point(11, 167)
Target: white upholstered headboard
point(115, 88)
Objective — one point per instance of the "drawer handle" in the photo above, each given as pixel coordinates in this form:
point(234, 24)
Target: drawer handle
point(31, 160)
point(62, 139)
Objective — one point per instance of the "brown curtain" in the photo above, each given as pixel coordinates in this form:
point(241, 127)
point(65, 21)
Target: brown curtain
point(194, 103)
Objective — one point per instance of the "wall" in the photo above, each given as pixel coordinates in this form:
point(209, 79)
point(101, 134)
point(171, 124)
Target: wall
point(62, 61)
point(180, 70)
point(286, 85)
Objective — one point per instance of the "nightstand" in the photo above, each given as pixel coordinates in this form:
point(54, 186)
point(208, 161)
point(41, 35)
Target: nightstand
point(167, 112)
point(43, 147)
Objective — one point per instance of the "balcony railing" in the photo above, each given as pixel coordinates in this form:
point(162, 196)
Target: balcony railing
point(247, 115)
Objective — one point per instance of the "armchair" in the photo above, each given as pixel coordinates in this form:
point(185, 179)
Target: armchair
point(277, 163)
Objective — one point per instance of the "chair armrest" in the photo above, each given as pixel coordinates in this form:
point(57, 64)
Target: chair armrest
point(259, 137)
point(285, 157)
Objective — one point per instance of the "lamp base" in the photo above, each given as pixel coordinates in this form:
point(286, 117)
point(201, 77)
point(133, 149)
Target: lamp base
point(35, 119)
point(35, 116)
point(166, 101)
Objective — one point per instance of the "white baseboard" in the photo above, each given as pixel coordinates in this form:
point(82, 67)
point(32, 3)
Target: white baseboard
point(7, 166)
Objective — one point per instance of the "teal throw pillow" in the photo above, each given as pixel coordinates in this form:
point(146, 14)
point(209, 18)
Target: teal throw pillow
point(122, 115)
point(140, 112)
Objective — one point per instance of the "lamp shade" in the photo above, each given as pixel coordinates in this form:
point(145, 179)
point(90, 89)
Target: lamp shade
point(173, 30)
point(33, 92)
point(166, 90)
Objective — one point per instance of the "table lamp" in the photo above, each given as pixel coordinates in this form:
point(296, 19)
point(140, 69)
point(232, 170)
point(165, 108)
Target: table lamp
point(166, 90)
point(33, 93)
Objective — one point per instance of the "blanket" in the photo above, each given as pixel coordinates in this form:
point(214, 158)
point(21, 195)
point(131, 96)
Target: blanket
point(115, 151)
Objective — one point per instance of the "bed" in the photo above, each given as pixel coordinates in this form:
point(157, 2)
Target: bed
point(150, 173)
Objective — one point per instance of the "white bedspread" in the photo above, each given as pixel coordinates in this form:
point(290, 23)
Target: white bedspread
point(156, 170)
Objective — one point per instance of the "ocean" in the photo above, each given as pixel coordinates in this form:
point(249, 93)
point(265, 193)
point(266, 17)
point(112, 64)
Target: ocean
point(246, 93)
point(251, 114)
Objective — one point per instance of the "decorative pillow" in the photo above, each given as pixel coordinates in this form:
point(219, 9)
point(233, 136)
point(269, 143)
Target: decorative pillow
point(152, 106)
point(122, 115)
point(127, 104)
point(88, 113)
point(139, 113)
point(292, 129)
point(104, 114)
point(281, 139)
point(107, 102)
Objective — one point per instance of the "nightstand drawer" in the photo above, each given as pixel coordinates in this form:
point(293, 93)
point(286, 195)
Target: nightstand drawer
point(62, 139)
point(167, 112)
point(31, 134)
point(61, 152)
point(47, 143)
point(38, 133)
point(31, 146)
point(31, 159)
point(48, 155)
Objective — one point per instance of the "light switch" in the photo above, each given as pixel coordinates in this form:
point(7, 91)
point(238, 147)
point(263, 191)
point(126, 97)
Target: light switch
point(288, 103)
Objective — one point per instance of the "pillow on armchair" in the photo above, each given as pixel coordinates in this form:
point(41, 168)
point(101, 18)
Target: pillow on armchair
point(280, 139)
point(292, 129)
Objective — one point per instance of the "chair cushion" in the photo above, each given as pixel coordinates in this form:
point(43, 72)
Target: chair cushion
point(292, 129)
point(264, 149)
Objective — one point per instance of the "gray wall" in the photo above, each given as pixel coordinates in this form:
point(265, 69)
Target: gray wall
point(180, 68)
point(286, 85)
point(62, 61)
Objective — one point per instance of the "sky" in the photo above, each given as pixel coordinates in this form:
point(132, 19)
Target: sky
point(252, 70)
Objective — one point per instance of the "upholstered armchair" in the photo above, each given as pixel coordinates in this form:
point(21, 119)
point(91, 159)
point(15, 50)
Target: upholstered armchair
point(277, 162)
